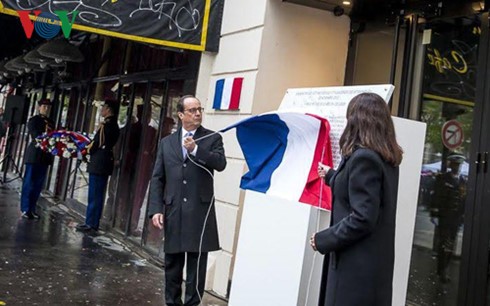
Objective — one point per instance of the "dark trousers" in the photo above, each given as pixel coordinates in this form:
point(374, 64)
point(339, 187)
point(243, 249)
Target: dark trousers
point(34, 178)
point(448, 231)
point(96, 196)
point(174, 267)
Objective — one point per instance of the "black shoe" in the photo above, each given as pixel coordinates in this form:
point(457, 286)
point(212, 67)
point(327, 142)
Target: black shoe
point(83, 228)
point(92, 232)
point(27, 215)
point(35, 216)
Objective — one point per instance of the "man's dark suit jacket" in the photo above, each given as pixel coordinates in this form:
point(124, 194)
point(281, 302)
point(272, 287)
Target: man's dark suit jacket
point(183, 192)
point(37, 126)
point(101, 153)
point(361, 238)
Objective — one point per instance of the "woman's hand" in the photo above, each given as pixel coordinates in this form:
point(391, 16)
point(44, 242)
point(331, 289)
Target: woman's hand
point(312, 242)
point(322, 170)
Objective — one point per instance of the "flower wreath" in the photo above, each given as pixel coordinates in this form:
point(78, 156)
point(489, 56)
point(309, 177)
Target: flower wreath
point(64, 143)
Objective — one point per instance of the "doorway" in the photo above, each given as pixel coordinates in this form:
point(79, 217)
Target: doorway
point(443, 79)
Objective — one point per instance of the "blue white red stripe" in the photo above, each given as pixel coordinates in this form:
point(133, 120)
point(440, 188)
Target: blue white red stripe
point(282, 151)
point(227, 94)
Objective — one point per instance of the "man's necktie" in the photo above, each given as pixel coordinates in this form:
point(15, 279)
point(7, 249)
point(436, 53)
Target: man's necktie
point(184, 150)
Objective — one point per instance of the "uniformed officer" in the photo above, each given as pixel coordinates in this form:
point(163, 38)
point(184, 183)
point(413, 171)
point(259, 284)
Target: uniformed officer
point(448, 207)
point(100, 165)
point(36, 160)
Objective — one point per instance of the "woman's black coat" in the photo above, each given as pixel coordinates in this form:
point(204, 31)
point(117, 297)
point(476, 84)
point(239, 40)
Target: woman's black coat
point(361, 238)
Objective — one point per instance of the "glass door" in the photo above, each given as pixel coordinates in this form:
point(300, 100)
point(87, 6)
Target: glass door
point(131, 146)
point(477, 275)
point(59, 110)
point(164, 99)
point(151, 124)
point(151, 120)
point(447, 105)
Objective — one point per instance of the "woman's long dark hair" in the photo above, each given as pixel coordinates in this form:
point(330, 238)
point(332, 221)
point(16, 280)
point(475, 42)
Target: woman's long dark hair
point(369, 125)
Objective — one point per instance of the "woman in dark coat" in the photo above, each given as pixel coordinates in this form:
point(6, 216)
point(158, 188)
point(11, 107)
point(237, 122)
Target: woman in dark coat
point(361, 238)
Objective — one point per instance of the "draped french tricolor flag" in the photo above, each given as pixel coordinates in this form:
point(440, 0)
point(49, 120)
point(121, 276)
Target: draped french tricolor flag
point(227, 94)
point(282, 151)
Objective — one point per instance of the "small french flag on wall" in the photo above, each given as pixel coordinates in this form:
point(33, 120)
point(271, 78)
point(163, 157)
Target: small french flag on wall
point(227, 93)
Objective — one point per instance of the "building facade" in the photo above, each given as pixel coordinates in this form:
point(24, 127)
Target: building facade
point(434, 52)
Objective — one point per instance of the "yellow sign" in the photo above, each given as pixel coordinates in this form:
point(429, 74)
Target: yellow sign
point(455, 62)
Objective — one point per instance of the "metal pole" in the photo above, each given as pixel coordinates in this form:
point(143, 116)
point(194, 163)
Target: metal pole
point(394, 56)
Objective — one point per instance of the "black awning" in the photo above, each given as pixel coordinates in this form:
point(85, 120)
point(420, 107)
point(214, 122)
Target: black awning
point(192, 24)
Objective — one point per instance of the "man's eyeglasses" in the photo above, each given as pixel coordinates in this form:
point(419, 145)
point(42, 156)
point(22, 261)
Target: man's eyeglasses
point(194, 110)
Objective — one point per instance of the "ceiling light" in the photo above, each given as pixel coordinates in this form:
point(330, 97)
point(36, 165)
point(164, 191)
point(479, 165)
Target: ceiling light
point(33, 57)
point(346, 2)
point(478, 6)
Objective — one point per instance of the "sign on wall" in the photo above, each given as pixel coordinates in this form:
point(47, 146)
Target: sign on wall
point(184, 24)
point(330, 103)
point(451, 62)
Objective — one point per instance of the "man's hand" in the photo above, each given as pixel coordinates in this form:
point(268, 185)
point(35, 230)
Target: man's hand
point(157, 221)
point(189, 144)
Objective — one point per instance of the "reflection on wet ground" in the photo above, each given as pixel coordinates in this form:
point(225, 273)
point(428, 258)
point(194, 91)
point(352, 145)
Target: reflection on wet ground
point(46, 262)
point(425, 287)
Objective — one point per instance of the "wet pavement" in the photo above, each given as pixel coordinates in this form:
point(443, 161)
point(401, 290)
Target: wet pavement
point(46, 262)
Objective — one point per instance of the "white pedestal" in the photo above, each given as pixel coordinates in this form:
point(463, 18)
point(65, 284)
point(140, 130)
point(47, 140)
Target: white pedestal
point(274, 258)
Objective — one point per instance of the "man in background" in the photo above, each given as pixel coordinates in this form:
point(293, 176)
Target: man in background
point(100, 165)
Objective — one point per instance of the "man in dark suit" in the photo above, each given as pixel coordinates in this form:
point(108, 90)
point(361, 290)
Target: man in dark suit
point(181, 201)
point(37, 161)
point(100, 165)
